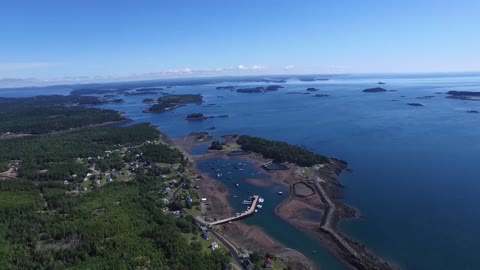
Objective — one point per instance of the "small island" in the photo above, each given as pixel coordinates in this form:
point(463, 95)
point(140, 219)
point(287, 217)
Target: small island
point(259, 89)
point(312, 89)
point(321, 95)
point(225, 87)
point(473, 111)
point(381, 83)
point(416, 104)
point(195, 116)
point(170, 102)
point(375, 90)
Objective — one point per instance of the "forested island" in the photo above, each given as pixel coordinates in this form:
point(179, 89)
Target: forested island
point(464, 95)
point(259, 89)
point(195, 116)
point(46, 114)
point(280, 151)
point(375, 90)
point(171, 102)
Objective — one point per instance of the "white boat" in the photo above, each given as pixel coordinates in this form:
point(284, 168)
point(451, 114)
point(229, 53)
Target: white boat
point(259, 206)
point(256, 210)
point(280, 193)
point(261, 200)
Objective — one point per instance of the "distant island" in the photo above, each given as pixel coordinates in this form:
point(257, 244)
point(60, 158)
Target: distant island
point(171, 102)
point(415, 104)
point(381, 83)
point(225, 87)
point(321, 95)
point(464, 95)
point(195, 116)
point(312, 89)
point(375, 90)
point(141, 93)
point(259, 89)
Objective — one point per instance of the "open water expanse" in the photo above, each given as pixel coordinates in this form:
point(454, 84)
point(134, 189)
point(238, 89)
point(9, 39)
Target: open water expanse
point(415, 177)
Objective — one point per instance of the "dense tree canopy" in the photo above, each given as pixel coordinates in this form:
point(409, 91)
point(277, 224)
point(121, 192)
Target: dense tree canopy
point(281, 151)
point(45, 114)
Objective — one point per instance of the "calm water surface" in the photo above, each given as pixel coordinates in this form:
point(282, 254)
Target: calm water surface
point(415, 169)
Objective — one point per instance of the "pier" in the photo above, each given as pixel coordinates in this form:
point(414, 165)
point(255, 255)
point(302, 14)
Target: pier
point(247, 213)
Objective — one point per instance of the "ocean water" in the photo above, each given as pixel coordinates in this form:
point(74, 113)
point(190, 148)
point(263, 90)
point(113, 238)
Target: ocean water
point(415, 175)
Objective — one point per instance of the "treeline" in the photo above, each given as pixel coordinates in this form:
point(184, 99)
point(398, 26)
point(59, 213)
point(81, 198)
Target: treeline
point(154, 153)
point(118, 226)
point(280, 151)
point(171, 101)
point(54, 157)
point(46, 114)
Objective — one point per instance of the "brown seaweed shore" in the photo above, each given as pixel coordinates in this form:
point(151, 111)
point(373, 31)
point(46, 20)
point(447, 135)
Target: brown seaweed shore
point(316, 189)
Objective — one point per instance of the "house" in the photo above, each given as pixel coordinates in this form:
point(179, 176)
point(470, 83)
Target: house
point(214, 245)
point(188, 199)
point(65, 182)
point(165, 201)
point(168, 190)
point(268, 263)
point(248, 264)
point(203, 200)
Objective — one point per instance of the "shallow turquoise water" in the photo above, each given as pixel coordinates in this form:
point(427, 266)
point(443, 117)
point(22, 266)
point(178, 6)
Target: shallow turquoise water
point(415, 174)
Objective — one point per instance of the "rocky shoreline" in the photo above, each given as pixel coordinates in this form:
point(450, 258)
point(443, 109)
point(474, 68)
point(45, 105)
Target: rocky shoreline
point(315, 188)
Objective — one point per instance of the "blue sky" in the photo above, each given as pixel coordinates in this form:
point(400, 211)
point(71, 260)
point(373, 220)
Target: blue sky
point(55, 39)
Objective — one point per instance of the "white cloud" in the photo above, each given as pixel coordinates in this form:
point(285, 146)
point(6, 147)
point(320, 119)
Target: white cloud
point(289, 67)
point(11, 66)
point(241, 67)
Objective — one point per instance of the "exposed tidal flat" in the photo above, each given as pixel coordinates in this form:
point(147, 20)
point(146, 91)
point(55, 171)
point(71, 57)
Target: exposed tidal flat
point(412, 167)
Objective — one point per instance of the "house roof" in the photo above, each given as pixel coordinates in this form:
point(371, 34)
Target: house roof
point(268, 261)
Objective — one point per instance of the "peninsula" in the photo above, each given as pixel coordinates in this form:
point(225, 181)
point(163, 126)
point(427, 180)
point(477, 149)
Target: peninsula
point(170, 102)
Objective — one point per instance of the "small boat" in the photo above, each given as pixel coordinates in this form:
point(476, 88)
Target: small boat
point(237, 185)
point(259, 206)
point(261, 200)
point(235, 196)
point(256, 210)
point(280, 193)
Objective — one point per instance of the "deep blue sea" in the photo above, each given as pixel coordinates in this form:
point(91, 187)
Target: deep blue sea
point(415, 175)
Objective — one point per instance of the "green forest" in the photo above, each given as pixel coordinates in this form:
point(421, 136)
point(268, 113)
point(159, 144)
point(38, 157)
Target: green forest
point(55, 157)
point(46, 114)
point(45, 224)
point(171, 101)
point(280, 151)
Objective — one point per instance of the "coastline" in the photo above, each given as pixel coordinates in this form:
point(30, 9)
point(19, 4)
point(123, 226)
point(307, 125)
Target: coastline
point(249, 237)
point(322, 200)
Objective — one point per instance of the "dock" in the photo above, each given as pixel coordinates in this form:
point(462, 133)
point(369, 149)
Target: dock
point(249, 212)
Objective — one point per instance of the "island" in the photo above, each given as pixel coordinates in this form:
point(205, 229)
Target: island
point(140, 93)
point(321, 95)
point(416, 104)
point(464, 95)
point(170, 102)
point(375, 90)
point(472, 111)
point(195, 116)
point(225, 88)
point(312, 89)
point(259, 89)
point(381, 83)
